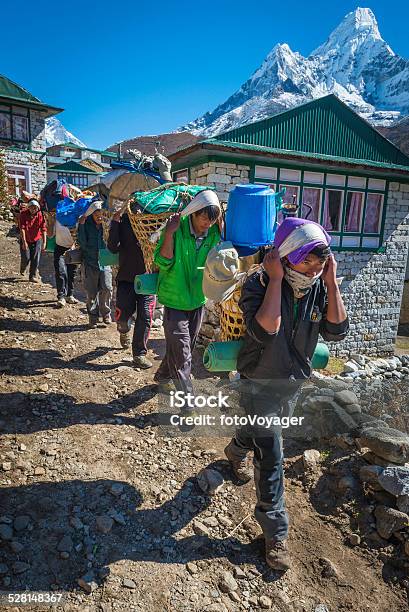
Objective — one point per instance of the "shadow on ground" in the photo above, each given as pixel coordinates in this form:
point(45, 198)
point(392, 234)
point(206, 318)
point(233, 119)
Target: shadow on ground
point(70, 510)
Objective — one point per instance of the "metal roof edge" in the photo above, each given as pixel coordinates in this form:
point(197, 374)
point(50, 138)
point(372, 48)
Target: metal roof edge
point(299, 154)
point(33, 104)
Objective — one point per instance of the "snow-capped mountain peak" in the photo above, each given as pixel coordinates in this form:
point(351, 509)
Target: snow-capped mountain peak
point(55, 133)
point(359, 26)
point(354, 62)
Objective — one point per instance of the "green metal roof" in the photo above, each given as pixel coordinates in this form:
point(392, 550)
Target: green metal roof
point(72, 145)
point(318, 156)
point(12, 92)
point(72, 167)
point(324, 127)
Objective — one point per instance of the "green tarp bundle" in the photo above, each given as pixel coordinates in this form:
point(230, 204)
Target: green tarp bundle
point(50, 246)
point(106, 258)
point(170, 197)
point(222, 356)
point(146, 284)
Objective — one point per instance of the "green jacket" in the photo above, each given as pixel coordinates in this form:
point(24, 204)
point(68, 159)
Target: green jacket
point(180, 278)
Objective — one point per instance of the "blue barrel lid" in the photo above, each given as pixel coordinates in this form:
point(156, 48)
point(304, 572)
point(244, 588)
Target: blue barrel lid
point(251, 189)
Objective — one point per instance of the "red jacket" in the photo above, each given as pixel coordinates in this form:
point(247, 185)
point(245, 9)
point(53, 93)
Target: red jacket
point(33, 227)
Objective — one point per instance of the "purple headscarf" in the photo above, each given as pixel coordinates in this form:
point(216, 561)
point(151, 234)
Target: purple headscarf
point(306, 243)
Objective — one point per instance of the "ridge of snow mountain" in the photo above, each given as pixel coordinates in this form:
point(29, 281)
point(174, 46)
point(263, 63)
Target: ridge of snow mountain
point(355, 63)
point(56, 133)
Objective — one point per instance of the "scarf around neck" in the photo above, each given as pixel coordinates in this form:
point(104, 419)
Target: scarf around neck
point(300, 283)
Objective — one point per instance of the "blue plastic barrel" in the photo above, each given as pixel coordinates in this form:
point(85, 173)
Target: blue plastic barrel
point(251, 216)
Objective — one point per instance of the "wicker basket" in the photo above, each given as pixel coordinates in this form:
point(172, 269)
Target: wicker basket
point(50, 220)
point(106, 222)
point(232, 325)
point(144, 225)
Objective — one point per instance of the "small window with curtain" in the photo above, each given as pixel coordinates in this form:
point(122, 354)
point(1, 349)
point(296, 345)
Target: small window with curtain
point(353, 211)
point(5, 122)
point(290, 197)
point(20, 128)
point(373, 213)
point(311, 203)
point(332, 209)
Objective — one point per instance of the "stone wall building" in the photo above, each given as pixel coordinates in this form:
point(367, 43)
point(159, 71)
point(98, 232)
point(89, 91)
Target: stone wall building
point(22, 137)
point(356, 184)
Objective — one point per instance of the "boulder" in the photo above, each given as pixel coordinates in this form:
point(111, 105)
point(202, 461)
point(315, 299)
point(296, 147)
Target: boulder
point(395, 480)
point(210, 481)
point(370, 473)
point(351, 366)
point(326, 382)
point(346, 397)
point(311, 458)
point(353, 409)
point(390, 444)
point(402, 503)
point(389, 520)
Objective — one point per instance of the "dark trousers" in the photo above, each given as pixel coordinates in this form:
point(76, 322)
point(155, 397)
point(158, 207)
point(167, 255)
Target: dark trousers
point(98, 287)
point(127, 303)
point(181, 329)
point(31, 256)
point(64, 275)
point(270, 511)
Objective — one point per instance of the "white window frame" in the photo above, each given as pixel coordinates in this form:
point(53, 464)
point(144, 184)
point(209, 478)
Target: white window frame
point(27, 172)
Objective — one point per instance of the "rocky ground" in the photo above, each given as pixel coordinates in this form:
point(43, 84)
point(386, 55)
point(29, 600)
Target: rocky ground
point(96, 503)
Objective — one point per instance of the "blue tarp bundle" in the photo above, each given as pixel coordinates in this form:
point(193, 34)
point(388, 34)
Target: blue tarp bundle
point(69, 211)
point(133, 167)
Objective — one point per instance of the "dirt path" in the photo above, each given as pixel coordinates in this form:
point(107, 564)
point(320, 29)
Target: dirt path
point(90, 487)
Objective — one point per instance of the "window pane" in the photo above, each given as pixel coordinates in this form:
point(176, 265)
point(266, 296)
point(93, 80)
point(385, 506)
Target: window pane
point(353, 211)
point(376, 184)
point(5, 125)
point(357, 181)
point(265, 172)
point(20, 128)
point(332, 209)
point(290, 175)
point(314, 177)
point(182, 176)
point(350, 241)
point(291, 193)
point(371, 243)
point(335, 179)
point(311, 197)
point(373, 213)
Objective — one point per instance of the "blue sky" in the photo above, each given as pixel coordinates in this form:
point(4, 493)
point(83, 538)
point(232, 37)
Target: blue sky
point(134, 68)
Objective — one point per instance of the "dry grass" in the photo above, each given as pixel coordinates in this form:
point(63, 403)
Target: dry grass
point(335, 366)
point(402, 343)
